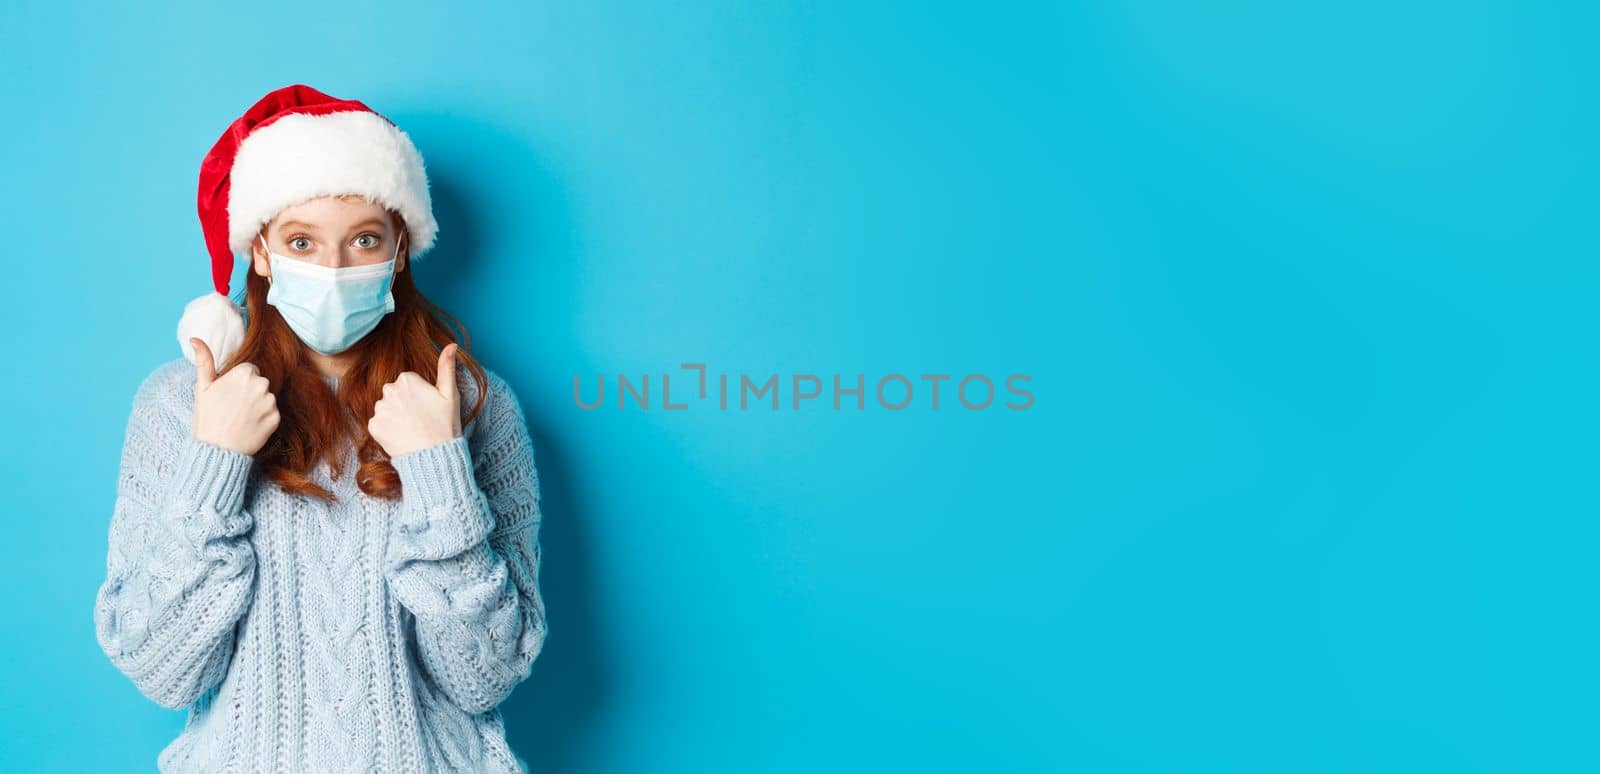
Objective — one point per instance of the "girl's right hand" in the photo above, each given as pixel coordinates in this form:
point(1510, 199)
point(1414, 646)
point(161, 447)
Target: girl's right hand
point(235, 411)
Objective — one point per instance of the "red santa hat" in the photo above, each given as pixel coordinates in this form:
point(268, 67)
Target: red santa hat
point(295, 144)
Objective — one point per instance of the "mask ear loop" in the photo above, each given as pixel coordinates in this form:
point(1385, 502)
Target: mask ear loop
point(268, 250)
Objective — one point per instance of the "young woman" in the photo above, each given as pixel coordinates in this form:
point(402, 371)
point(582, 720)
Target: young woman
point(325, 538)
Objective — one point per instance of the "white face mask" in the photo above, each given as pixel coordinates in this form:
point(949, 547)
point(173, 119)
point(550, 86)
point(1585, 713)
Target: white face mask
point(330, 309)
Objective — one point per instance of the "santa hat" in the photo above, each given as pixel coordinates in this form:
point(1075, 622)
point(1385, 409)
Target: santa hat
point(295, 144)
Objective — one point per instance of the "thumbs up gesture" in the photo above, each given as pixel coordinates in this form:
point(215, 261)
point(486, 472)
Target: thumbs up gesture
point(414, 413)
point(234, 411)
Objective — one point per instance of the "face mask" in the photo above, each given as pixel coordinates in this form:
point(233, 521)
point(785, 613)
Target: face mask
point(331, 309)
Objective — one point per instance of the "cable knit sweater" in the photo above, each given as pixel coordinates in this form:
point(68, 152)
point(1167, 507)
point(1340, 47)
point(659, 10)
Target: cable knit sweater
point(365, 635)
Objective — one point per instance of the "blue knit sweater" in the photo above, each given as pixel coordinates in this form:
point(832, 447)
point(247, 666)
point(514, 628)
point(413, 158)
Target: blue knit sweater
point(365, 635)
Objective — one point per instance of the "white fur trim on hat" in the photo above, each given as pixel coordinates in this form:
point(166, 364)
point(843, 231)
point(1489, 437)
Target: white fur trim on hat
point(215, 319)
point(303, 156)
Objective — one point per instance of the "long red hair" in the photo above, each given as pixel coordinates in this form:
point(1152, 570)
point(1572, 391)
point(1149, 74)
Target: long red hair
point(314, 422)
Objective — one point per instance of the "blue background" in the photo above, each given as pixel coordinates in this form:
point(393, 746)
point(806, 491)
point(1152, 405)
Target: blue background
point(1307, 296)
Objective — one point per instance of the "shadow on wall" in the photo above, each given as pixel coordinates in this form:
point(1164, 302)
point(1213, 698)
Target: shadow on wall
point(547, 716)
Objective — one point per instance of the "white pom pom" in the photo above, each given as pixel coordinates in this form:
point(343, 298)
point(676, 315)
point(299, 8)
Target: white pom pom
point(216, 320)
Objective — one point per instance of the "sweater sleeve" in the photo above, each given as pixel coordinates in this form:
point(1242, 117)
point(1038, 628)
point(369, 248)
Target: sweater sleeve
point(180, 570)
point(463, 556)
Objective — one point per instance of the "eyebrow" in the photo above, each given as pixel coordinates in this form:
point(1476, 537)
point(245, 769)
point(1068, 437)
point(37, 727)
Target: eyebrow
point(288, 224)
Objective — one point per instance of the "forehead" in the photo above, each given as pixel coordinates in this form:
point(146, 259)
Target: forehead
point(333, 212)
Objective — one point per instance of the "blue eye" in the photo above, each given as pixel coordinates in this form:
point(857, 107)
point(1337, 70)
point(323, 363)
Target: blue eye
point(373, 243)
point(295, 243)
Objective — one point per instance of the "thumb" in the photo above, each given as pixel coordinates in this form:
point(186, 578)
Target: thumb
point(205, 366)
point(446, 378)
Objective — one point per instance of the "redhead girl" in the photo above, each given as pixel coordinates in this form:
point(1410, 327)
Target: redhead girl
point(325, 539)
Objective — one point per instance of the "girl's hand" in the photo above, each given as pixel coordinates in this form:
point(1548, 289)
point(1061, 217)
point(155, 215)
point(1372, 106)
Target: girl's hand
point(415, 414)
point(234, 411)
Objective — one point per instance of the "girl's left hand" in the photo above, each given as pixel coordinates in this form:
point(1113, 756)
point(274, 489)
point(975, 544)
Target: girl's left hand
point(414, 414)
